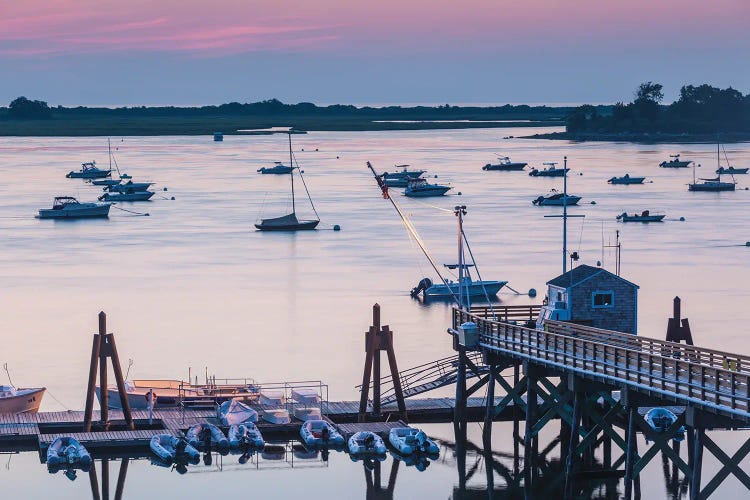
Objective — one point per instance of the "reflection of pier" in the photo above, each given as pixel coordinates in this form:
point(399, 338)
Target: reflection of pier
point(574, 373)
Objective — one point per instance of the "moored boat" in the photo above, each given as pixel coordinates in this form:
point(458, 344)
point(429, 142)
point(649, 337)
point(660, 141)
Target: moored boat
point(278, 168)
point(661, 419)
point(172, 449)
point(420, 188)
point(20, 400)
point(234, 412)
point(89, 170)
point(645, 216)
point(320, 433)
point(731, 171)
point(550, 171)
point(366, 443)
point(556, 199)
point(408, 440)
point(245, 436)
point(401, 178)
point(675, 162)
point(127, 196)
point(305, 413)
point(626, 179)
point(204, 436)
point(67, 453)
point(712, 184)
point(505, 165)
point(129, 187)
point(467, 286)
point(67, 207)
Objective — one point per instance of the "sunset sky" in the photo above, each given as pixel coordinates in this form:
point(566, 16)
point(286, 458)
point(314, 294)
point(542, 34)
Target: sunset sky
point(186, 52)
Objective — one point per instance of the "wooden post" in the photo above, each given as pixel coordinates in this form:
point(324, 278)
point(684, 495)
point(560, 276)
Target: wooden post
point(459, 413)
point(575, 430)
point(528, 438)
point(105, 479)
point(630, 452)
point(91, 390)
point(94, 481)
point(395, 377)
point(376, 361)
point(489, 410)
point(103, 386)
point(695, 479)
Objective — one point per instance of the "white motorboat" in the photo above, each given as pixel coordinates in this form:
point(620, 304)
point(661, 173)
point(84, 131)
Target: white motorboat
point(465, 285)
point(14, 401)
point(556, 199)
point(89, 170)
point(401, 178)
point(67, 453)
point(171, 393)
point(235, 412)
point(129, 195)
point(277, 416)
point(504, 164)
point(204, 436)
point(129, 187)
point(626, 179)
point(278, 168)
point(645, 216)
point(172, 449)
point(320, 433)
point(67, 207)
point(420, 188)
point(675, 162)
point(408, 440)
point(366, 443)
point(245, 436)
point(550, 171)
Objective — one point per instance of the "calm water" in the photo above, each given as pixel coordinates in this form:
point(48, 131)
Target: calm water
point(194, 285)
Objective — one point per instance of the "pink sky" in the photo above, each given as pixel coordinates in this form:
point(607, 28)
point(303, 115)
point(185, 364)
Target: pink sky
point(35, 27)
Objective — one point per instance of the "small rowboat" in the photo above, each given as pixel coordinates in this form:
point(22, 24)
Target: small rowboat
point(408, 440)
point(626, 179)
point(171, 449)
point(245, 436)
point(320, 433)
point(67, 453)
point(644, 216)
point(204, 437)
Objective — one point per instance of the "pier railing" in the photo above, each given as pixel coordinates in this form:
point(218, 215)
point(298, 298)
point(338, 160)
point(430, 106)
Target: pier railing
point(640, 363)
point(507, 313)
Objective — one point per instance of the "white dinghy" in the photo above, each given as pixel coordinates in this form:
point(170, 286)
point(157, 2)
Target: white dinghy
point(366, 443)
point(207, 436)
point(234, 412)
point(277, 416)
point(245, 436)
point(320, 433)
point(171, 449)
point(408, 440)
point(67, 453)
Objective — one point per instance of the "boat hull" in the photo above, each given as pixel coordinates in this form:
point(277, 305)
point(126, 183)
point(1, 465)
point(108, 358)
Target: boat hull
point(425, 193)
point(558, 172)
point(647, 218)
point(732, 171)
point(507, 167)
point(675, 164)
point(26, 402)
point(718, 186)
point(475, 289)
point(626, 180)
point(98, 174)
point(137, 196)
point(80, 213)
point(558, 202)
point(303, 225)
point(275, 170)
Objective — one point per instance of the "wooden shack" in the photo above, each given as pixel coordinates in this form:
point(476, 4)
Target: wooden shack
point(592, 296)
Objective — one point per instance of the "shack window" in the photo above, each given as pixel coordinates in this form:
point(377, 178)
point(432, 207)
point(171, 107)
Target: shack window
point(603, 299)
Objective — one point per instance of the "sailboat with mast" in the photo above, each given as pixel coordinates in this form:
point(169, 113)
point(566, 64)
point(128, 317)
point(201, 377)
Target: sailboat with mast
point(714, 184)
point(289, 222)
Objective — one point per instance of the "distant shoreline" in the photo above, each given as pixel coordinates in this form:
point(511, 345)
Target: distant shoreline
point(647, 138)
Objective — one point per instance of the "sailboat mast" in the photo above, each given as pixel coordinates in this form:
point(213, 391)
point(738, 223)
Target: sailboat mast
point(291, 172)
point(460, 211)
point(565, 215)
point(109, 151)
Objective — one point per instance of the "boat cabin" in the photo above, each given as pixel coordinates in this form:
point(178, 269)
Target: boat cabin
point(7, 391)
point(63, 201)
point(592, 296)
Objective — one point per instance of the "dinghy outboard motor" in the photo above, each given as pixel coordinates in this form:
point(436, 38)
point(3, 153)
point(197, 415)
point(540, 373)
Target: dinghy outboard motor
point(423, 285)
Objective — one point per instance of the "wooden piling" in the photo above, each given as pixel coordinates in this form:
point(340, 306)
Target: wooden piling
point(695, 478)
point(103, 386)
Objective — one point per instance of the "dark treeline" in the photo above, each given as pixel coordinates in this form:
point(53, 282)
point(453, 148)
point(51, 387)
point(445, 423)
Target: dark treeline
point(23, 108)
point(699, 110)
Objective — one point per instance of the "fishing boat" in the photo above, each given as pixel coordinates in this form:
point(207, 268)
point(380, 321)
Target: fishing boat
point(320, 433)
point(505, 165)
point(465, 285)
point(420, 188)
point(105, 182)
point(556, 199)
point(67, 453)
point(245, 436)
point(172, 449)
point(401, 178)
point(731, 171)
point(626, 179)
point(645, 216)
point(408, 440)
point(129, 187)
point(234, 412)
point(19, 400)
point(278, 168)
point(661, 419)
point(290, 222)
point(67, 207)
point(366, 443)
point(207, 436)
point(129, 195)
point(675, 162)
point(550, 171)
point(89, 170)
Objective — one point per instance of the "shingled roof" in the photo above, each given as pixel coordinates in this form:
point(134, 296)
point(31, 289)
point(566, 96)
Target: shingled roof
point(580, 274)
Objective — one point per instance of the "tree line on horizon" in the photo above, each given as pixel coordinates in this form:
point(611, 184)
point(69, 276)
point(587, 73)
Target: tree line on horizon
point(701, 109)
point(23, 108)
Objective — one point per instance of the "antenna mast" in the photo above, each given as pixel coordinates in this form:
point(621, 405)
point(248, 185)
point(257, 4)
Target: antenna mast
point(291, 166)
point(460, 211)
